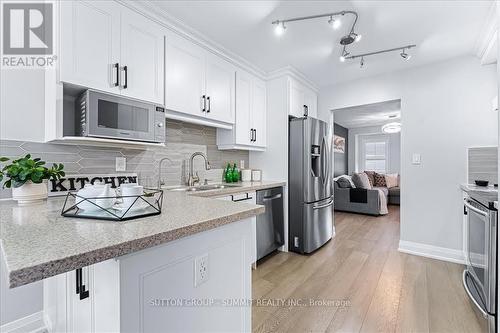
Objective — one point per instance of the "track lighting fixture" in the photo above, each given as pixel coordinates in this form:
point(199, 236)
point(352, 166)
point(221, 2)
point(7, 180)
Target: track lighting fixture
point(403, 53)
point(334, 23)
point(280, 28)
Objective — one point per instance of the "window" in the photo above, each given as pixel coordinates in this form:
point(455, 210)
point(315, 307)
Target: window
point(375, 156)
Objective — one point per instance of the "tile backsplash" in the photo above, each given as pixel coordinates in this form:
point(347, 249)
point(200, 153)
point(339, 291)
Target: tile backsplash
point(483, 164)
point(183, 139)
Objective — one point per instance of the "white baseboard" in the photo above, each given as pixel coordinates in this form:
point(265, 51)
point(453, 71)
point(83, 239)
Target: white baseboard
point(430, 251)
point(33, 324)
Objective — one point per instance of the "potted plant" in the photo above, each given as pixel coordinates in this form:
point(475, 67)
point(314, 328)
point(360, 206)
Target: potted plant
point(28, 178)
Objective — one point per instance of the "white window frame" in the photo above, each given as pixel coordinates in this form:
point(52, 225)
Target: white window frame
point(362, 140)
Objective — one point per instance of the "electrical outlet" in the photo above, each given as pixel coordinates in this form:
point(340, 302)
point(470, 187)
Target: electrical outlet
point(121, 164)
point(200, 270)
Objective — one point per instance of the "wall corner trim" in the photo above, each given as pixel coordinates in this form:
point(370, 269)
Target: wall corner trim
point(433, 252)
point(31, 323)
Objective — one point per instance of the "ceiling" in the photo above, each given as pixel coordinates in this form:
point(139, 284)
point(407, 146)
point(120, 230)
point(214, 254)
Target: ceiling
point(441, 30)
point(369, 114)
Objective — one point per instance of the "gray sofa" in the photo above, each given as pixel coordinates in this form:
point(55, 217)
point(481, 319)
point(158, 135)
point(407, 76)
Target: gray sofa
point(363, 201)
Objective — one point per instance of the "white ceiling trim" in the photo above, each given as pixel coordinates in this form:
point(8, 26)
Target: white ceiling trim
point(295, 73)
point(488, 36)
point(160, 16)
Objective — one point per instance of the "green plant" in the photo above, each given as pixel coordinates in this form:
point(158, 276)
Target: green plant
point(27, 169)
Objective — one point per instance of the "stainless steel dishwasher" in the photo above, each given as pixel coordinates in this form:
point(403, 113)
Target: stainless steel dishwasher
point(270, 228)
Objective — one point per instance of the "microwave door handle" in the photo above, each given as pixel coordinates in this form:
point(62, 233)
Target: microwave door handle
point(464, 282)
point(474, 209)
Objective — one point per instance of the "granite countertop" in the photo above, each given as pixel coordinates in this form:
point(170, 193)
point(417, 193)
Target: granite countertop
point(37, 242)
point(488, 192)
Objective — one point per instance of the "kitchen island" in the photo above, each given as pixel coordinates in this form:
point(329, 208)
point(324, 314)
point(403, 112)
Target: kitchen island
point(179, 268)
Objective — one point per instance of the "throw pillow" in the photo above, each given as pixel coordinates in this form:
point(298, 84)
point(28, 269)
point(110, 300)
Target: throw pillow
point(391, 180)
point(371, 176)
point(361, 181)
point(344, 182)
point(379, 180)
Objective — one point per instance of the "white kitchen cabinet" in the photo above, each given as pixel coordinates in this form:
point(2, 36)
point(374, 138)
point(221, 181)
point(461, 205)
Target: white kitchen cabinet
point(301, 99)
point(127, 294)
point(109, 47)
point(142, 51)
point(249, 131)
point(199, 86)
point(184, 76)
point(90, 43)
point(219, 89)
point(259, 112)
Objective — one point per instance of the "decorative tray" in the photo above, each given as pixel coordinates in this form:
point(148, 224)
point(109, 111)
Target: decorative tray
point(116, 208)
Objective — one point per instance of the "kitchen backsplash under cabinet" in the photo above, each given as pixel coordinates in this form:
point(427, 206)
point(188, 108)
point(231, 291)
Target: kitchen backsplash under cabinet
point(183, 139)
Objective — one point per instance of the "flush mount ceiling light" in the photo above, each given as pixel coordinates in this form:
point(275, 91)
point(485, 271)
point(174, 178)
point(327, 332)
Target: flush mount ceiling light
point(403, 53)
point(391, 128)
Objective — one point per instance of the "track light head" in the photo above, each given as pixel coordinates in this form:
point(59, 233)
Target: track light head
point(279, 28)
point(334, 23)
point(405, 55)
point(357, 37)
point(362, 63)
point(344, 55)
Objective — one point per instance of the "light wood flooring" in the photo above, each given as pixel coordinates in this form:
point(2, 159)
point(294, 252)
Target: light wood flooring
point(382, 289)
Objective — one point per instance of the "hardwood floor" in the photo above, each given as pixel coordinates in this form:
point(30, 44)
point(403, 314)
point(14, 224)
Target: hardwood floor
point(365, 285)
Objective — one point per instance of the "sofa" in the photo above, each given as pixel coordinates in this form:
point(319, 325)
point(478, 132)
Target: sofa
point(363, 201)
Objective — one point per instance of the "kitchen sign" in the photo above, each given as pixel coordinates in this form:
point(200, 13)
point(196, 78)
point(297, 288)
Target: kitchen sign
point(74, 183)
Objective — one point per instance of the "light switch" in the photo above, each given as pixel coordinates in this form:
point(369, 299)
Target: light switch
point(416, 159)
point(121, 164)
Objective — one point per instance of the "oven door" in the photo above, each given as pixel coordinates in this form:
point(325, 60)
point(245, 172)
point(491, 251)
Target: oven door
point(120, 118)
point(481, 252)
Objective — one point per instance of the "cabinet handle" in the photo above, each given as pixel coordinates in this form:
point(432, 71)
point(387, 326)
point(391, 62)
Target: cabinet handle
point(208, 99)
point(117, 68)
point(125, 68)
point(306, 110)
point(255, 135)
point(251, 134)
point(80, 287)
point(204, 103)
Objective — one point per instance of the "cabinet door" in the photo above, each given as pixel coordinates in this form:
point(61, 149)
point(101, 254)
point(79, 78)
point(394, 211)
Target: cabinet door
point(90, 43)
point(243, 126)
point(311, 100)
point(184, 76)
point(296, 95)
point(142, 52)
point(79, 311)
point(220, 89)
point(259, 113)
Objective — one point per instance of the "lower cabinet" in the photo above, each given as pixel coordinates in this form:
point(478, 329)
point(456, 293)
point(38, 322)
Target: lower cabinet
point(189, 284)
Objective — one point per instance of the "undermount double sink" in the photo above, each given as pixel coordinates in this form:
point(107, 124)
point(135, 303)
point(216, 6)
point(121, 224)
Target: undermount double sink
point(202, 187)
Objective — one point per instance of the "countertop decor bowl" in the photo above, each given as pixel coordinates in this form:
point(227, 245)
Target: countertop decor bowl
point(481, 182)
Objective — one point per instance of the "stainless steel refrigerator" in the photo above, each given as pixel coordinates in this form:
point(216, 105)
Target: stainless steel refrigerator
point(310, 198)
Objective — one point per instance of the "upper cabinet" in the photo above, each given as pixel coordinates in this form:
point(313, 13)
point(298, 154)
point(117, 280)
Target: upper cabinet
point(303, 101)
point(108, 47)
point(199, 86)
point(249, 131)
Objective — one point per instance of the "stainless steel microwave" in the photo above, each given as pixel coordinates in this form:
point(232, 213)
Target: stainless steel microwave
point(109, 116)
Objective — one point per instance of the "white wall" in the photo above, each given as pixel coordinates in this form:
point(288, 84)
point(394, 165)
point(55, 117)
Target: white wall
point(446, 107)
point(394, 147)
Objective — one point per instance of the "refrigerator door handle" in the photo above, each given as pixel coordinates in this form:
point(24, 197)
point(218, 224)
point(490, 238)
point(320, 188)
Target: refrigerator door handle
point(328, 204)
point(324, 157)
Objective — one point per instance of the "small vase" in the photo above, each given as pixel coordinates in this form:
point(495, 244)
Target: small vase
point(30, 193)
